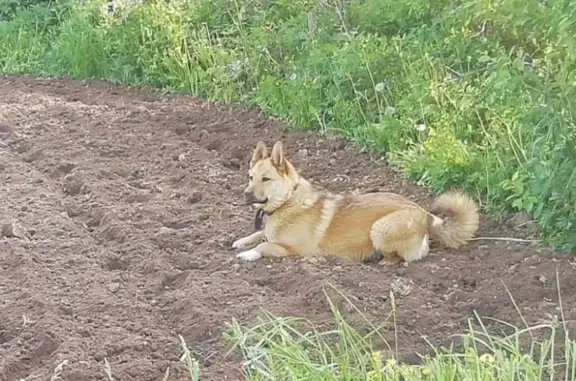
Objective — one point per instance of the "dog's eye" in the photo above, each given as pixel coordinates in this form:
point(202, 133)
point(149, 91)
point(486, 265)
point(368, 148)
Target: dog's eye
point(264, 179)
point(250, 178)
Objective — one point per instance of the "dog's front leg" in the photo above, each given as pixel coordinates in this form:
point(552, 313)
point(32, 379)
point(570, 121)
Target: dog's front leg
point(250, 240)
point(265, 249)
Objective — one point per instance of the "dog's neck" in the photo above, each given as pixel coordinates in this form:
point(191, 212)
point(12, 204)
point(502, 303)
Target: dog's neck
point(299, 183)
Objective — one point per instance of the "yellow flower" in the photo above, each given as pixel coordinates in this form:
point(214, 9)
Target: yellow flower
point(376, 356)
point(376, 359)
point(391, 363)
point(487, 358)
point(425, 371)
point(407, 371)
point(373, 376)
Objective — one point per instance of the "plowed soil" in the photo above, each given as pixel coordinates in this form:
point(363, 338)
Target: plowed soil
point(118, 209)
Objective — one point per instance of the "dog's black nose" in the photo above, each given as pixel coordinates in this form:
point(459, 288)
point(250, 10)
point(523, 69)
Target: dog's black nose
point(250, 197)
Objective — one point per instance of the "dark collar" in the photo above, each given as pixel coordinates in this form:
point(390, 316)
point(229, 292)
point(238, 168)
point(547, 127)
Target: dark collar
point(259, 219)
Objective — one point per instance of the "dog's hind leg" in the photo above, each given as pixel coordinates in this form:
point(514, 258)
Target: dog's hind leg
point(401, 236)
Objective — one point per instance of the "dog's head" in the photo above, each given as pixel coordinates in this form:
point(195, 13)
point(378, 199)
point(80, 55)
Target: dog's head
point(272, 178)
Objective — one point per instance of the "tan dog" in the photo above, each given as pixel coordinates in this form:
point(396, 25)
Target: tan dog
point(303, 221)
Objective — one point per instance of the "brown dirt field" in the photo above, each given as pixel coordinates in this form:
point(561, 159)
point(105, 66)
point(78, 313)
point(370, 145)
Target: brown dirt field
point(118, 209)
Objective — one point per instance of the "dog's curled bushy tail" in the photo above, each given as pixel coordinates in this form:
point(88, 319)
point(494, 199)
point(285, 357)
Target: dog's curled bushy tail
point(460, 218)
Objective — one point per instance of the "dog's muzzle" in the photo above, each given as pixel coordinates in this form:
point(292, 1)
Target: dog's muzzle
point(252, 199)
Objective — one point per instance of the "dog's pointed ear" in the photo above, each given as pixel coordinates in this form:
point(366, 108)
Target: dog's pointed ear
point(260, 153)
point(277, 157)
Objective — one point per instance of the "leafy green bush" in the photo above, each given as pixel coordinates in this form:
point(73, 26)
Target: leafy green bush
point(46, 9)
point(474, 94)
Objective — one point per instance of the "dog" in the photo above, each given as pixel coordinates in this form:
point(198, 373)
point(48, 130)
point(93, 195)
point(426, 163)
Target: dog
point(301, 220)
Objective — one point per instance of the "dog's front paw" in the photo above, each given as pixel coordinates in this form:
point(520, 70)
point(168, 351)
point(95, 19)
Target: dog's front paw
point(249, 255)
point(241, 243)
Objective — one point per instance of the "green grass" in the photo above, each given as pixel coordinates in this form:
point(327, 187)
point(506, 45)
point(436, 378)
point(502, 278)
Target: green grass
point(278, 349)
point(292, 349)
point(474, 94)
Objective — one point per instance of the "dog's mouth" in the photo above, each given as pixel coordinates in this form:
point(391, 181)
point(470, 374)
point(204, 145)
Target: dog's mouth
point(252, 200)
point(259, 202)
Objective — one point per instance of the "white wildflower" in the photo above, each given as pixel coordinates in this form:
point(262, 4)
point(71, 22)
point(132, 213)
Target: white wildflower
point(236, 65)
point(379, 87)
point(421, 127)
